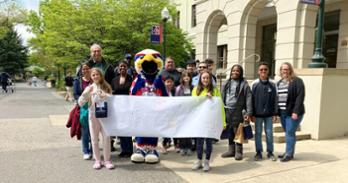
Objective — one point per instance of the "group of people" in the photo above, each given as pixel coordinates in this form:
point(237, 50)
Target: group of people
point(262, 102)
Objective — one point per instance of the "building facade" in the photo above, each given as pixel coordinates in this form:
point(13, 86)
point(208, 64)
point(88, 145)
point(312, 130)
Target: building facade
point(273, 31)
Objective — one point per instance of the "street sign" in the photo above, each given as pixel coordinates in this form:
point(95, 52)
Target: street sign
point(315, 2)
point(156, 34)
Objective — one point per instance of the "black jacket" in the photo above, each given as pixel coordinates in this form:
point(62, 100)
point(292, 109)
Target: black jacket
point(296, 95)
point(244, 102)
point(265, 100)
point(108, 71)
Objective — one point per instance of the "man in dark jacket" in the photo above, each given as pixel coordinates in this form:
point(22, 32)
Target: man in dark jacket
point(4, 80)
point(264, 110)
point(170, 70)
point(96, 60)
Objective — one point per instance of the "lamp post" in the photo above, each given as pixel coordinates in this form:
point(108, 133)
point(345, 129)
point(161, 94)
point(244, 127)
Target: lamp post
point(165, 17)
point(318, 57)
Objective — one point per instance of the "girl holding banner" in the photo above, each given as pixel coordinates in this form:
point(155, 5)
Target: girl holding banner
point(205, 87)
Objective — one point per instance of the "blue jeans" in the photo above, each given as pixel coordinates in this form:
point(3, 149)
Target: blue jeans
point(86, 140)
point(290, 126)
point(268, 125)
point(208, 149)
point(126, 144)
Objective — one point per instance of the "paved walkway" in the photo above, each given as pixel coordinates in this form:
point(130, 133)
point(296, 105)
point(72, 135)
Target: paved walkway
point(35, 147)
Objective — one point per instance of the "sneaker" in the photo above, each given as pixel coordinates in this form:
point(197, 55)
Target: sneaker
point(189, 152)
point(109, 165)
point(197, 165)
point(258, 156)
point(87, 156)
point(271, 156)
point(206, 166)
point(177, 149)
point(286, 158)
point(281, 156)
point(97, 165)
point(182, 152)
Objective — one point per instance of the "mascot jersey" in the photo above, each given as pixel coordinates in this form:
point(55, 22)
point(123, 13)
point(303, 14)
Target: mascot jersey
point(148, 64)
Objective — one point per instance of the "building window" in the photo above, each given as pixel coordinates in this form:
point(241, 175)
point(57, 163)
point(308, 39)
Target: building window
point(330, 44)
point(222, 57)
point(177, 22)
point(193, 54)
point(193, 19)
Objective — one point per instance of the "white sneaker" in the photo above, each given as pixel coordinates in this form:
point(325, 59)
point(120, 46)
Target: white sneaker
point(87, 156)
point(206, 166)
point(197, 165)
point(189, 152)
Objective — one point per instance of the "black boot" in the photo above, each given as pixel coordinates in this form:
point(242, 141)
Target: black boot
point(231, 151)
point(239, 152)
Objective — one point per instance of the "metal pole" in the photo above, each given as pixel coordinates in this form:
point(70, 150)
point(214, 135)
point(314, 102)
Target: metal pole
point(318, 57)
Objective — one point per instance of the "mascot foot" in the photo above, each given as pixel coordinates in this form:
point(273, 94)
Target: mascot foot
point(152, 157)
point(138, 156)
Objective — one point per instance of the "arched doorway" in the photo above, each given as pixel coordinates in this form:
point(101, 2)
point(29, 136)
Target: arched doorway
point(258, 36)
point(215, 39)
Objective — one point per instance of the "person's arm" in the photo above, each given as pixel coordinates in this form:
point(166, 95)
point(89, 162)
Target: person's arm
point(194, 92)
point(85, 96)
point(300, 94)
point(76, 89)
point(223, 114)
point(248, 97)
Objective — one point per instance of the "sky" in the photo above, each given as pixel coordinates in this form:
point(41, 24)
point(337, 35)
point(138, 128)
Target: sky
point(20, 28)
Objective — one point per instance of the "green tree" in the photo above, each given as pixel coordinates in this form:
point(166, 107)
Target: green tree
point(13, 55)
point(65, 29)
point(10, 14)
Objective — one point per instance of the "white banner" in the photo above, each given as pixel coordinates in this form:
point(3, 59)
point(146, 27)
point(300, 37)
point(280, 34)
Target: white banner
point(163, 116)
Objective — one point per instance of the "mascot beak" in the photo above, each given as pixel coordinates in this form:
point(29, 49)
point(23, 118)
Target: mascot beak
point(150, 64)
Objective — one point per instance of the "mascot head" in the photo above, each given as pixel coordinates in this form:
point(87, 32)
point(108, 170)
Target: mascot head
point(148, 62)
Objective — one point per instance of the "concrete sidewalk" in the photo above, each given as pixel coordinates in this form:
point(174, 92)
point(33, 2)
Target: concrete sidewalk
point(315, 161)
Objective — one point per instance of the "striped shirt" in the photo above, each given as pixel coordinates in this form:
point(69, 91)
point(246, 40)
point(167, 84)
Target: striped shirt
point(283, 86)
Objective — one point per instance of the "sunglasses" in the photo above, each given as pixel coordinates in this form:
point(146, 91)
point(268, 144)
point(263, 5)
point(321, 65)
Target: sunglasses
point(202, 67)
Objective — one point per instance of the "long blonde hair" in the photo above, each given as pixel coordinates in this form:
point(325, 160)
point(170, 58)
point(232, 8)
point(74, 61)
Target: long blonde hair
point(103, 84)
point(292, 74)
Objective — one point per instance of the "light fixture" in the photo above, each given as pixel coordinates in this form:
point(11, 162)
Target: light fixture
point(165, 14)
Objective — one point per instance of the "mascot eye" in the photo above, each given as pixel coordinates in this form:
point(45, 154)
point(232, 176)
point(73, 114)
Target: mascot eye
point(141, 57)
point(155, 55)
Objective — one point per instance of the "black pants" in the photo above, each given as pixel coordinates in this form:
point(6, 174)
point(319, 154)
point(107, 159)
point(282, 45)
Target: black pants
point(185, 143)
point(208, 149)
point(4, 86)
point(166, 142)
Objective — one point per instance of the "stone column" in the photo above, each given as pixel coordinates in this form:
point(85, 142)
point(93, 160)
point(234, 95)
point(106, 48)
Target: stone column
point(342, 54)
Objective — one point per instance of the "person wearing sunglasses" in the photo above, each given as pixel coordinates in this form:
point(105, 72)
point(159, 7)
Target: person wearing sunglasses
point(265, 106)
point(201, 66)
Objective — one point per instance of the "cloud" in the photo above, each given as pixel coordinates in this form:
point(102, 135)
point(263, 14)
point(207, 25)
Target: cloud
point(24, 33)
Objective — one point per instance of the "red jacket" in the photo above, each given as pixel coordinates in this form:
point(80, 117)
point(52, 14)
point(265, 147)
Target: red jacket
point(74, 122)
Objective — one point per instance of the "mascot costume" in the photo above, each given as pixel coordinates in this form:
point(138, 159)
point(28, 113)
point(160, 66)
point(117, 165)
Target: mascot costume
point(148, 63)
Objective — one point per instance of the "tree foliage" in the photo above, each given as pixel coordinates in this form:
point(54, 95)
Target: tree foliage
point(65, 29)
point(10, 14)
point(13, 55)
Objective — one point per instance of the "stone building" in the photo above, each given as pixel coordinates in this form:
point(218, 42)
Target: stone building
point(274, 31)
